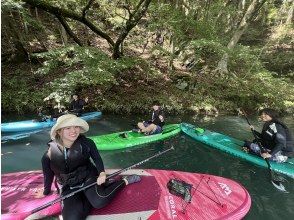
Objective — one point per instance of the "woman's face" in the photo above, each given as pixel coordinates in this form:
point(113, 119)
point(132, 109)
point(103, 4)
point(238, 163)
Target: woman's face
point(155, 107)
point(264, 117)
point(75, 97)
point(69, 134)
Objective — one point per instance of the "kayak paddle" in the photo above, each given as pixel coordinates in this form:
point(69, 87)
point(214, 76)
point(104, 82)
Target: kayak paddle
point(276, 181)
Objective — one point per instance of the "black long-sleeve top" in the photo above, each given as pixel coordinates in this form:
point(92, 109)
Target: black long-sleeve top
point(77, 104)
point(276, 137)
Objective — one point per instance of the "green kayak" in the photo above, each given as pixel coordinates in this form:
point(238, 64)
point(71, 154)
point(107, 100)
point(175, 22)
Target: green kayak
point(234, 146)
point(117, 141)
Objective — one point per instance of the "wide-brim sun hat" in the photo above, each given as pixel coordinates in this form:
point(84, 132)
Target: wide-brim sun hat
point(68, 120)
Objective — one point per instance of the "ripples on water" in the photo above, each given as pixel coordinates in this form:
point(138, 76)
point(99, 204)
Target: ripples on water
point(189, 156)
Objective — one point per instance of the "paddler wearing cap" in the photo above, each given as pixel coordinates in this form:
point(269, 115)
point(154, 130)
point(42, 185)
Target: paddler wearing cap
point(69, 159)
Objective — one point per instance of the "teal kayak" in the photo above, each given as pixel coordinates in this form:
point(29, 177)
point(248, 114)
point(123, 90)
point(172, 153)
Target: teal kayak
point(125, 139)
point(234, 146)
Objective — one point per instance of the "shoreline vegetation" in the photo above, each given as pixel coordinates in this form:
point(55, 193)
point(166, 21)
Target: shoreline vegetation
point(195, 57)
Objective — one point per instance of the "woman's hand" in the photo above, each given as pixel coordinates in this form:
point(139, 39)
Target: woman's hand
point(266, 155)
point(38, 194)
point(101, 178)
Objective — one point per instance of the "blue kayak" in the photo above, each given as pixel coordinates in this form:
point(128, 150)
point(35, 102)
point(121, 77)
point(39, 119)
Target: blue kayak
point(17, 135)
point(32, 125)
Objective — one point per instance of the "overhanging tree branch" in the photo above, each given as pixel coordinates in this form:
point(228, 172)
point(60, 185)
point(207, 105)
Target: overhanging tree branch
point(87, 7)
point(133, 20)
point(69, 14)
point(68, 30)
point(134, 17)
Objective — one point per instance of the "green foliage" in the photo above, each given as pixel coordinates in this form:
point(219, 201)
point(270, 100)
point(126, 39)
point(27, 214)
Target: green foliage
point(280, 61)
point(193, 30)
point(250, 85)
point(17, 96)
point(11, 4)
point(18, 6)
point(171, 19)
point(207, 52)
point(74, 5)
point(202, 54)
point(254, 91)
point(74, 67)
point(244, 59)
point(275, 91)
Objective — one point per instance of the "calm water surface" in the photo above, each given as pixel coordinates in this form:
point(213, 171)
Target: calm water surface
point(189, 155)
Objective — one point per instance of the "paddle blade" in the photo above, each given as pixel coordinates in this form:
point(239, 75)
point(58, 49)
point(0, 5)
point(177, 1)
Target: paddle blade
point(279, 186)
point(277, 178)
point(277, 181)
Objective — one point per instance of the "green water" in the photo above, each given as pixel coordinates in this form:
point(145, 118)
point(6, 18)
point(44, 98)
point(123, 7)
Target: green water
point(189, 155)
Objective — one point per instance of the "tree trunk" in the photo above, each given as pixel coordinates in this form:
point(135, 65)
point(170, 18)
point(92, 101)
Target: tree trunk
point(133, 20)
point(68, 30)
point(21, 52)
point(250, 14)
point(63, 35)
point(172, 51)
point(290, 15)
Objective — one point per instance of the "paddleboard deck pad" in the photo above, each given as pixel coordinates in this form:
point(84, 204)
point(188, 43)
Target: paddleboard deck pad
point(213, 197)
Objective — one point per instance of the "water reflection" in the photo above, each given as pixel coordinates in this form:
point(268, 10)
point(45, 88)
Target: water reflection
point(189, 155)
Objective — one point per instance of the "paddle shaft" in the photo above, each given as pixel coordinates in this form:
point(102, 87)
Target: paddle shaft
point(252, 130)
point(92, 184)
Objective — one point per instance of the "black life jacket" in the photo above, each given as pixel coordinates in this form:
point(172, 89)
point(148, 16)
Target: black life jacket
point(269, 132)
point(71, 166)
point(155, 117)
point(77, 104)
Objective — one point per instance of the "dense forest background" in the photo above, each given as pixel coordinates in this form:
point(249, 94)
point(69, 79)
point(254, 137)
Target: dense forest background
point(194, 56)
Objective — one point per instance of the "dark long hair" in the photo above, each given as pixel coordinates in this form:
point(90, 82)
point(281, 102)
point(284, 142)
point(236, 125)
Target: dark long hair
point(270, 112)
point(274, 115)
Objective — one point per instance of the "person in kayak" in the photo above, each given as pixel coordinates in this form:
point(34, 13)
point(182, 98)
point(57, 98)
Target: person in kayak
point(50, 110)
point(77, 105)
point(69, 159)
point(275, 138)
point(154, 126)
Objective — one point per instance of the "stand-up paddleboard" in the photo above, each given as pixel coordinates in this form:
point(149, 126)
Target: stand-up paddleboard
point(234, 146)
point(18, 195)
point(213, 197)
point(125, 139)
